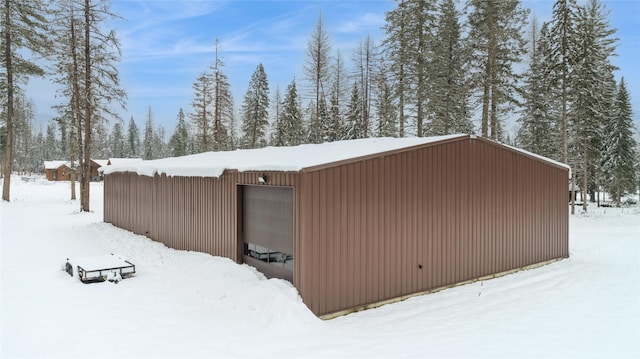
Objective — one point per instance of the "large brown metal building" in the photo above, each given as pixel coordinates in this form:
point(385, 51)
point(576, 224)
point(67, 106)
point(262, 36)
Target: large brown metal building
point(354, 223)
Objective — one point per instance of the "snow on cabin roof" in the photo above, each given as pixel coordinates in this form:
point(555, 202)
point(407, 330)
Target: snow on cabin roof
point(295, 158)
point(101, 163)
point(118, 161)
point(54, 165)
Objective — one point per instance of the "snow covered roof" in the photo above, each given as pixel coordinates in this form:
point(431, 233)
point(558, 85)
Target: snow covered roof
point(119, 161)
point(101, 162)
point(292, 159)
point(295, 158)
point(54, 165)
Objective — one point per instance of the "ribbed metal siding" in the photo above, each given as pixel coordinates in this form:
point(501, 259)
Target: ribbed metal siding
point(459, 210)
point(189, 213)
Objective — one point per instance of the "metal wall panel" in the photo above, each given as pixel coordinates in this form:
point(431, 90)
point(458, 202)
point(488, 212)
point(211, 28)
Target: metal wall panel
point(375, 228)
point(407, 222)
point(188, 213)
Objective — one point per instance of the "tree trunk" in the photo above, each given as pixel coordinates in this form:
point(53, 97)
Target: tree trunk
point(573, 193)
point(88, 105)
point(76, 107)
point(401, 102)
point(8, 165)
point(584, 179)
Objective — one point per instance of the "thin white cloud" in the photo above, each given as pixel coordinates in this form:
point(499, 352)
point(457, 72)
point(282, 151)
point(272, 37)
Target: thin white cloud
point(362, 24)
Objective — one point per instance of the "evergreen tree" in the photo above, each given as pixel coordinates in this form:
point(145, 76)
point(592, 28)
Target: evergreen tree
point(38, 152)
point(100, 143)
point(255, 113)
point(118, 143)
point(24, 114)
point(539, 125)
point(290, 130)
point(324, 120)
point(52, 150)
point(337, 94)
point(202, 115)
point(333, 130)
point(591, 93)
point(409, 46)
point(133, 139)
point(316, 71)
point(160, 146)
point(620, 148)
point(497, 45)
point(365, 59)
point(562, 52)
point(178, 144)
point(24, 26)
point(449, 94)
point(148, 145)
point(397, 49)
point(353, 128)
point(385, 108)
point(277, 109)
point(222, 108)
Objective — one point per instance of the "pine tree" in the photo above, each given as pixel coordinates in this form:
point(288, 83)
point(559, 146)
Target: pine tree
point(202, 115)
point(409, 46)
point(385, 108)
point(148, 145)
point(52, 149)
point(365, 59)
point(255, 110)
point(290, 130)
point(133, 139)
point(178, 144)
point(277, 114)
point(539, 124)
point(337, 96)
point(449, 94)
point(100, 143)
point(316, 71)
point(353, 127)
point(562, 52)
point(497, 45)
point(222, 107)
point(334, 125)
point(161, 148)
point(592, 90)
point(24, 26)
point(397, 49)
point(118, 143)
point(620, 148)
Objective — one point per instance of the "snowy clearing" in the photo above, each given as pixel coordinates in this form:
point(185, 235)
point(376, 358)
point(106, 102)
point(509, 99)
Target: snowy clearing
point(187, 305)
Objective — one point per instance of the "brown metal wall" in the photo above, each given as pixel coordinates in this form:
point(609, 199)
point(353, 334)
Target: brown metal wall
point(190, 213)
point(385, 227)
point(373, 229)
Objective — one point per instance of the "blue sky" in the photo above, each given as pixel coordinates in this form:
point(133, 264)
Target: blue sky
point(166, 44)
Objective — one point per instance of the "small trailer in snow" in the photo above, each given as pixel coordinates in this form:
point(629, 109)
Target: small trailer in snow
point(112, 267)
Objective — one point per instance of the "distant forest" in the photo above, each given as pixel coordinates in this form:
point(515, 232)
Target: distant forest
point(441, 68)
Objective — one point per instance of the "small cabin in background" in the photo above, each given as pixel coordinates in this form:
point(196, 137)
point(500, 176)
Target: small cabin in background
point(93, 168)
point(57, 170)
point(61, 170)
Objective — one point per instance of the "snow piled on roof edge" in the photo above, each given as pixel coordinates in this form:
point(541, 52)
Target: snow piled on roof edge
point(288, 159)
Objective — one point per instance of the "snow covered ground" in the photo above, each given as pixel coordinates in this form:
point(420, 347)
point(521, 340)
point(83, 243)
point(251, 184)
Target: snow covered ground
point(190, 305)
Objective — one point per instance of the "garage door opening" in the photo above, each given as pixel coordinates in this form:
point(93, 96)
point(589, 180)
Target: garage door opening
point(267, 230)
